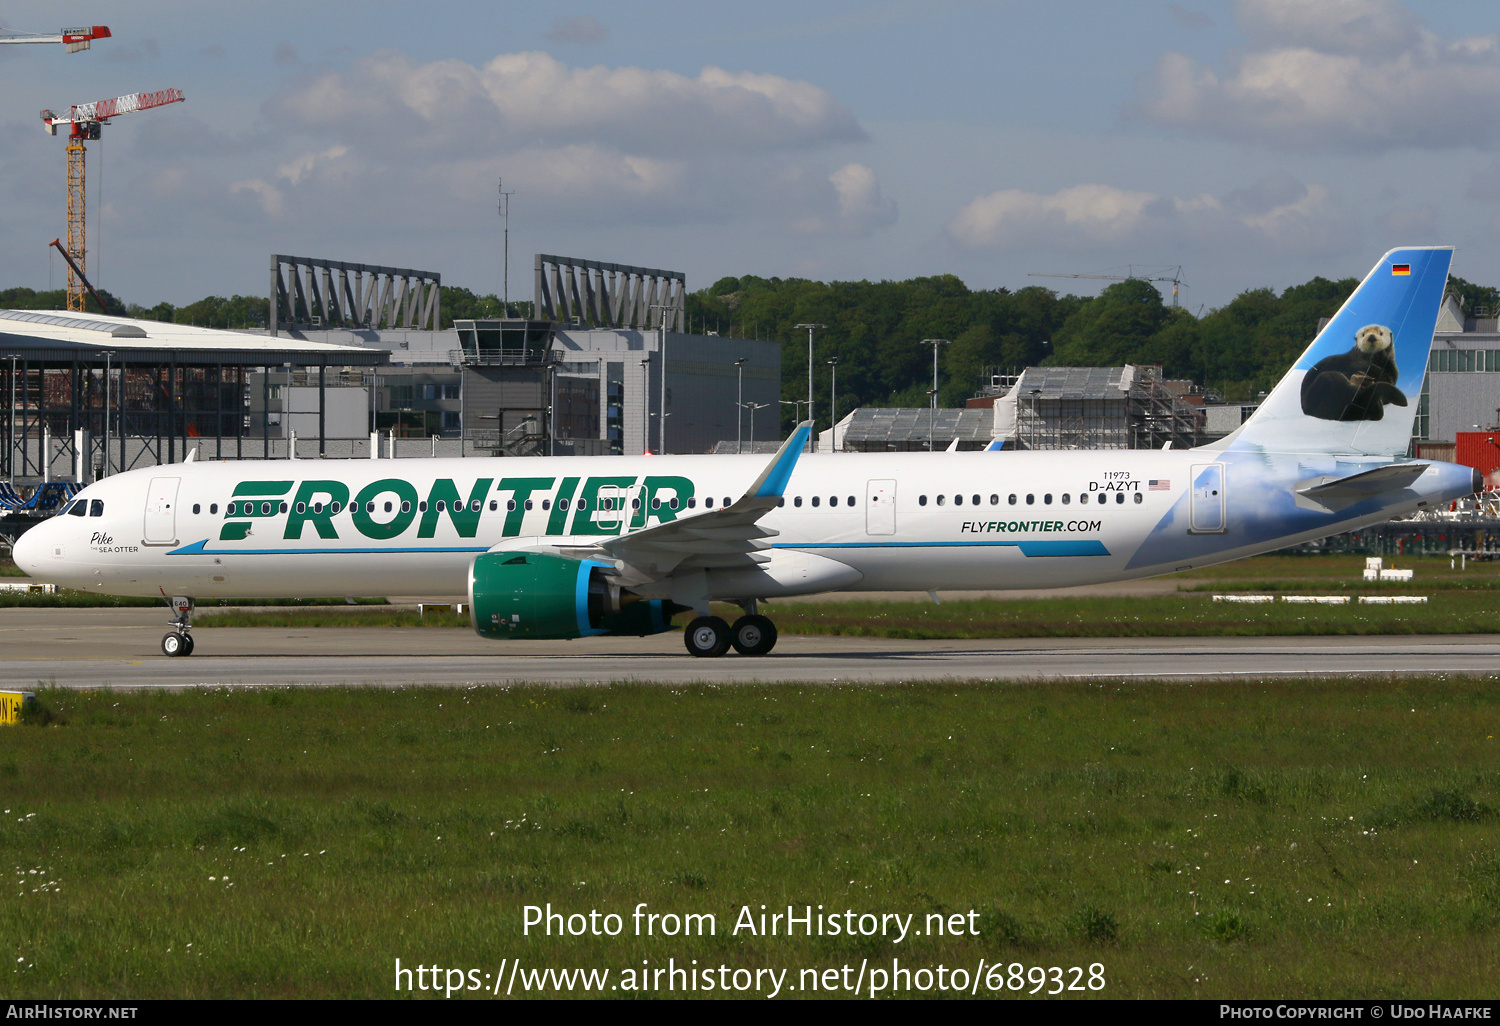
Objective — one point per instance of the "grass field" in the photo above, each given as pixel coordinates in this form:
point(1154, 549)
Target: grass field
point(1286, 839)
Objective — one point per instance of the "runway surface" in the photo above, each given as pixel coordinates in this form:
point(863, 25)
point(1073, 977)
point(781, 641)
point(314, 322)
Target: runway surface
point(119, 648)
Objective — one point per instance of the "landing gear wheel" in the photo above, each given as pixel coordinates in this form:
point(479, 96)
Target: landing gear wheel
point(707, 637)
point(175, 644)
point(188, 638)
point(753, 635)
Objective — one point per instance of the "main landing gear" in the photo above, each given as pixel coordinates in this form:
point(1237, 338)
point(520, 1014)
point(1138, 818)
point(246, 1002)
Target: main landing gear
point(710, 636)
point(178, 641)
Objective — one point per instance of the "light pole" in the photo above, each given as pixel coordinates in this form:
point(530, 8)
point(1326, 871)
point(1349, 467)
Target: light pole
point(505, 216)
point(752, 407)
point(932, 414)
point(810, 328)
point(662, 333)
point(796, 405)
point(10, 448)
point(833, 416)
point(739, 406)
point(646, 403)
point(107, 356)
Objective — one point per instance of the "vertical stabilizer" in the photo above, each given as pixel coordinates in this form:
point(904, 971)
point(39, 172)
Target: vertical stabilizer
point(1355, 390)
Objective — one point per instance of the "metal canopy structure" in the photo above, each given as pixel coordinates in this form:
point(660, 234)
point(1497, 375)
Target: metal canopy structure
point(872, 429)
point(594, 294)
point(315, 293)
point(92, 395)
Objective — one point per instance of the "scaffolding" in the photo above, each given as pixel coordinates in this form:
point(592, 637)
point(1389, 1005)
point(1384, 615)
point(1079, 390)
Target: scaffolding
point(1101, 408)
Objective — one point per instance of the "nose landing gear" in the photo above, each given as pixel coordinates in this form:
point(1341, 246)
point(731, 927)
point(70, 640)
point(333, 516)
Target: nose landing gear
point(178, 641)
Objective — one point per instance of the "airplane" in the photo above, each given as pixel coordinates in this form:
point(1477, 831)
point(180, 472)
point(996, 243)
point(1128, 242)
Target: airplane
point(571, 547)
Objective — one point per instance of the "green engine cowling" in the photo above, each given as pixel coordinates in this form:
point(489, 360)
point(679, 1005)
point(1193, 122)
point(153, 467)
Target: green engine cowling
point(536, 595)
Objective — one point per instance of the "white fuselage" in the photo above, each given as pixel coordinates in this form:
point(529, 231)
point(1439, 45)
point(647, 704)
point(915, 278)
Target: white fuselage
point(918, 521)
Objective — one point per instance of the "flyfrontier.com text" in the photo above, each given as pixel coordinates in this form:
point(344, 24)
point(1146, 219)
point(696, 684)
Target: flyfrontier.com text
point(806, 921)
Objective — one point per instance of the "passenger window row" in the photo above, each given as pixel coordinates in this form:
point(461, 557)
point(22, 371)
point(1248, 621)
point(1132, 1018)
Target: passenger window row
point(817, 500)
point(1083, 498)
point(248, 508)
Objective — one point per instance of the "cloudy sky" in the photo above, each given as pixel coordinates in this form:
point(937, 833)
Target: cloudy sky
point(1253, 142)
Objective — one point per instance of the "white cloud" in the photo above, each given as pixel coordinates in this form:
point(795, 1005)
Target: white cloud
point(1084, 212)
point(528, 97)
point(1337, 74)
point(1333, 26)
point(595, 145)
point(273, 198)
point(860, 204)
point(272, 201)
point(294, 170)
point(1280, 213)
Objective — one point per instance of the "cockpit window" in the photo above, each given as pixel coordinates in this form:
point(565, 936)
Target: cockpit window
point(77, 508)
point(96, 508)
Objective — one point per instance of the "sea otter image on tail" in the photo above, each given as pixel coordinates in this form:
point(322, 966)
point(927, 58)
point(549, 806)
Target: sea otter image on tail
point(1355, 385)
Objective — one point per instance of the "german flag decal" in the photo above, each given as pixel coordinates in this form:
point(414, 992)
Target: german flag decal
point(1401, 268)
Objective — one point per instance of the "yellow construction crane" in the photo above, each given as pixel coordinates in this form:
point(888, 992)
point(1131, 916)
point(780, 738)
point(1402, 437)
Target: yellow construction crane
point(1175, 278)
point(85, 122)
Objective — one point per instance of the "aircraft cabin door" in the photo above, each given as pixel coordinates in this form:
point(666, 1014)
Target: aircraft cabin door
point(161, 511)
point(1208, 499)
point(611, 511)
point(880, 507)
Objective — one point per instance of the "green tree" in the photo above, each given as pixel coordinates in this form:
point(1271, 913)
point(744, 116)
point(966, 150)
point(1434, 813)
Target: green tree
point(1114, 329)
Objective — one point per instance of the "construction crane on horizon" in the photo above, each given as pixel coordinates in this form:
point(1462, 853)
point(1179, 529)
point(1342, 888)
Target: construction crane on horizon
point(1175, 278)
point(85, 122)
point(74, 39)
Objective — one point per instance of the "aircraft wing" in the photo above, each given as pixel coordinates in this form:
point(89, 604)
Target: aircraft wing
point(727, 537)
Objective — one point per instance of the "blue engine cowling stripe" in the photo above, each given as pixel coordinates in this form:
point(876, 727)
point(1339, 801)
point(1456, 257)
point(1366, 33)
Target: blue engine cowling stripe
point(581, 597)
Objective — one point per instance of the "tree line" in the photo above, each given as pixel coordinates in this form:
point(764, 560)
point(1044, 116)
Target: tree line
point(874, 329)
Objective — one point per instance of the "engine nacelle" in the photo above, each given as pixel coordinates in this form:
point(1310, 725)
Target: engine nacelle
point(536, 595)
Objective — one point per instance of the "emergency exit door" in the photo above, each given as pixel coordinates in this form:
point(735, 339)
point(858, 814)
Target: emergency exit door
point(880, 507)
point(1208, 499)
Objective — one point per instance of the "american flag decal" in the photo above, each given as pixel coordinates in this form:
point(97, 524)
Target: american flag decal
point(1162, 485)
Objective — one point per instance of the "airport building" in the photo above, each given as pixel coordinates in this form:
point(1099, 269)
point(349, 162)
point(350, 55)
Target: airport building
point(605, 365)
point(1461, 392)
point(355, 364)
point(89, 395)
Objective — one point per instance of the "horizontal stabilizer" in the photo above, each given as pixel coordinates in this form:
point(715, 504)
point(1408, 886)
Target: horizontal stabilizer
point(1337, 493)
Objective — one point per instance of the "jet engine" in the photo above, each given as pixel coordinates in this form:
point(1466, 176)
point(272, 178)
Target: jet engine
point(536, 595)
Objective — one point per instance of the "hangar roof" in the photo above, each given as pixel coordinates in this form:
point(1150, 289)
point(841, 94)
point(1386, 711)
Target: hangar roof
point(871, 424)
point(45, 335)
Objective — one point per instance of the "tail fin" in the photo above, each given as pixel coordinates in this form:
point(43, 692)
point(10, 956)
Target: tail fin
point(1355, 390)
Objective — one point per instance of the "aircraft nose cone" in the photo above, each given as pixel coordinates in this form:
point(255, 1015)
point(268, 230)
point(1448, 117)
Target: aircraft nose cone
point(29, 551)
